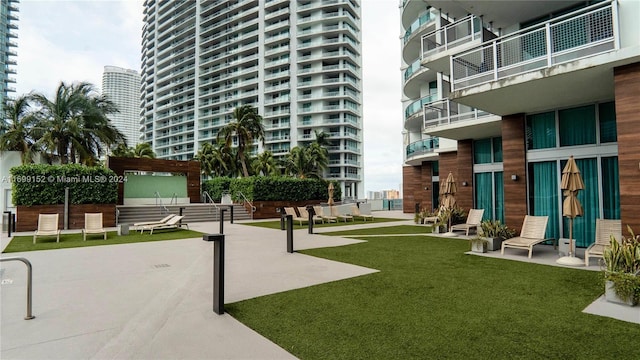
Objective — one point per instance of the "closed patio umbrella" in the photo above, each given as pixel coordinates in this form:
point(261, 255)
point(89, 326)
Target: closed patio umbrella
point(330, 189)
point(571, 207)
point(449, 199)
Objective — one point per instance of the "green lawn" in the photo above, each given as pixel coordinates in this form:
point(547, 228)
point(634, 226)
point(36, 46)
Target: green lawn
point(431, 301)
point(392, 230)
point(276, 223)
point(25, 243)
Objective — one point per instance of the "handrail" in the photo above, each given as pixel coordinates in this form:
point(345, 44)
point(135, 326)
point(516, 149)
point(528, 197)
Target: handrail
point(29, 282)
point(245, 200)
point(163, 208)
point(207, 196)
point(174, 196)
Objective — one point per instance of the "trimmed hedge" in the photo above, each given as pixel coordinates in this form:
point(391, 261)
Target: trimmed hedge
point(41, 184)
point(272, 188)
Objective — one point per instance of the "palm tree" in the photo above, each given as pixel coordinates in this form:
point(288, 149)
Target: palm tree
point(246, 127)
point(122, 150)
point(144, 150)
point(76, 124)
point(216, 160)
point(265, 163)
point(322, 138)
point(17, 129)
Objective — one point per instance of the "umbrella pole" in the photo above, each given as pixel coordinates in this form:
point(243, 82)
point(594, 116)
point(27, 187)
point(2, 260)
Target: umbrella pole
point(571, 237)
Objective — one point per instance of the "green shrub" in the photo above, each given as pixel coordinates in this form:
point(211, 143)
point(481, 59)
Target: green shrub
point(41, 184)
point(271, 188)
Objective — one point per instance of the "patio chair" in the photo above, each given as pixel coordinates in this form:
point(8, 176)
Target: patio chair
point(473, 221)
point(433, 219)
point(161, 221)
point(355, 211)
point(319, 210)
point(532, 233)
point(93, 225)
point(345, 217)
point(292, 211)
point(172, 223)
point(605, 228)
point(304, 213)
point(47, 226)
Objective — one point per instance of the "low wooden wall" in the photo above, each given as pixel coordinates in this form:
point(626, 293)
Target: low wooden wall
point(27, 216)
point(268, 209)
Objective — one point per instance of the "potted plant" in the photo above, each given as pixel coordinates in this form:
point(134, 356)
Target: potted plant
point(479, 244)
point(622, 270)
point(442, 222)
point(494, 232)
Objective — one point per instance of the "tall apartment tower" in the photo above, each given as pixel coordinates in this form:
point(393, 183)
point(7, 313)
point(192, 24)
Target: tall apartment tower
point(298, 62)
point(8, 36)
point(122, 86)
point(519, 87)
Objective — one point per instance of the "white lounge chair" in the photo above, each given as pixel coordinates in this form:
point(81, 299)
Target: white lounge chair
point(47, 226)
point(355, 211)
point(473, 221)
point(161, 221)
point(605, 229)
point(291, 211)
point(304, 213)
point(172, 223)
point(93, 225)
point(320, 212)
point(532, 233)
point(345, 217)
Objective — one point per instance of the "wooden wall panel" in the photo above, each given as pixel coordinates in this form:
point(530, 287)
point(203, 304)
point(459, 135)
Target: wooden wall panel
point(627, 102)
point(426, 200)
point(411, 183)
point(27, 216)
point(190, 168)
point(464, 197)
point(514, 163)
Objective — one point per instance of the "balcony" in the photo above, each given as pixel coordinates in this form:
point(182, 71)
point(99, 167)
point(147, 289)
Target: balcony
point(544, 66)
point(413, 117)
point(439, 45)
point(415, 76)
point(421, 148)
point(448, 119)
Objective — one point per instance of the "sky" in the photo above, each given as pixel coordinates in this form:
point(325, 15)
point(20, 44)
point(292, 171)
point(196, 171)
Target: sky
point(73, 40)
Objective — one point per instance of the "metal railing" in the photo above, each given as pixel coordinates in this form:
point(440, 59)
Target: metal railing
point(174, 197)
point(583, 33)
point(206, 197)
point(445, 112)
point(29, 283)
point(163, 208)
point(451, 35)
point(246, 201)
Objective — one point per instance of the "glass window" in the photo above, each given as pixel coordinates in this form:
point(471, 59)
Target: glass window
point(577, 126)
point(610, 188)
point(482, 151)
point(435, 168)
point(483, 186)
point(544, 194)
point(541, 131)
point(497, 149)
point(608, 130)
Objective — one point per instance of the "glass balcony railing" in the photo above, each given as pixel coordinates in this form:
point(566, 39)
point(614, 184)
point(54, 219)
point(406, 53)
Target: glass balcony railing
point(587, 32)
point(445, 112)
point(412, 69)
point(457, 33)
point(425, 18)
point(423, 147)
point(417, 106)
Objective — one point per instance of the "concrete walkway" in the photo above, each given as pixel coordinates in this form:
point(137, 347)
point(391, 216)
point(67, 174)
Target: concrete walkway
point(154, 300)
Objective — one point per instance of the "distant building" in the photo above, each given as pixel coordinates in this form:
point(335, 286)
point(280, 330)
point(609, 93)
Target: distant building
point(391, 194)
point(374, 195)
point(122, 86)
point(298, 62)
point(8, 34)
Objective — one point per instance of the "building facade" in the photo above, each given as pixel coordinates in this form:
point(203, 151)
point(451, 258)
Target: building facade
point(298, 62)
point(122, 86)
point(8, 36)
point(519, 87)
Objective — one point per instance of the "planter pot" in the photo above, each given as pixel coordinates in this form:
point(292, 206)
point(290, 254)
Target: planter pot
point(479, 246)
point(435, 229)
point(493, 244)
point(611, 296)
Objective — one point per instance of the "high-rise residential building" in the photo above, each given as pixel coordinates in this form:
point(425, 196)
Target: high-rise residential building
point(8, 44)
point(501, 93)
point(298, 62)
point(122, 86)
